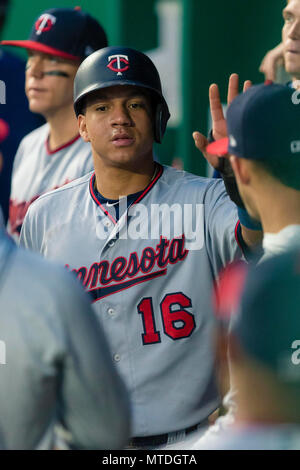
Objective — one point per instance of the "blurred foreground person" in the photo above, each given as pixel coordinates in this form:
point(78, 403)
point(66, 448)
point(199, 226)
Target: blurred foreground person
point(55, 365)
point(263, 146)
point(264, 351)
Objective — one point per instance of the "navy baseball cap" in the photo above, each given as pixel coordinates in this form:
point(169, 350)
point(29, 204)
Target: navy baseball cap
point(64, 32)
point(264, 304)
point(262, 123)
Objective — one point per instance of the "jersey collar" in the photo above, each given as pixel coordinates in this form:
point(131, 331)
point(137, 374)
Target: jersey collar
point(136, 201)
point(67, 144)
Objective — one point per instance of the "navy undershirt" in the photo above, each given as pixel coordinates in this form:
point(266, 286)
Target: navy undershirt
point(115, 202)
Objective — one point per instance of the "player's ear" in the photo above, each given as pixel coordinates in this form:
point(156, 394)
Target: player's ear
point(82, 128)
point(240, 169)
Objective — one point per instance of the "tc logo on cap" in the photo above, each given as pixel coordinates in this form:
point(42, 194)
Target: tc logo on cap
point(232, 141)
point(118, 59)
point(44, 23)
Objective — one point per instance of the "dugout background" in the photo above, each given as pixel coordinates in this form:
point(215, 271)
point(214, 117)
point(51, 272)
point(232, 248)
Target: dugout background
point(192, 42)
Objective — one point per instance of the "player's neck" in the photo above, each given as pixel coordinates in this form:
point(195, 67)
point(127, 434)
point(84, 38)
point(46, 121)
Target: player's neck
point(63, 128)
point(279, 208)
point(113, 182)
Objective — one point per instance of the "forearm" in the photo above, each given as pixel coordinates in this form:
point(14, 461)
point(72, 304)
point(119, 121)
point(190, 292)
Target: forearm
point(251, 230)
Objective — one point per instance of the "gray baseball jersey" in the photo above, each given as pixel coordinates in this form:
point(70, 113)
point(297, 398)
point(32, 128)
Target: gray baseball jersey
point(37, 170)
point(55, 363)
point(150, 280)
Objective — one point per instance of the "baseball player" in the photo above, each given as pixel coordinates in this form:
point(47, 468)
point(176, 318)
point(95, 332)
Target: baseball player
point(264, 148)
point(55, 363)
point(147, 259)
point(266, 166)
point(4, 132)
point(264, 354)
point(13, 109)
point(54, 154)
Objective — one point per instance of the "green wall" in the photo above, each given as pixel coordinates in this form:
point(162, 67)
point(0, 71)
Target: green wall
point(217, 38)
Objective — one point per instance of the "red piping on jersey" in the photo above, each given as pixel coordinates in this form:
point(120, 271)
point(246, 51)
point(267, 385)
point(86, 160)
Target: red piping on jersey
point(51, 152)
point(146, 190)
point(98, 202)
point(150, 185)
point(241, 242)
point(236, 234)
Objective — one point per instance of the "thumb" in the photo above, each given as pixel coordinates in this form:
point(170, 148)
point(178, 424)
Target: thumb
point(201, 143)
point(200, 140)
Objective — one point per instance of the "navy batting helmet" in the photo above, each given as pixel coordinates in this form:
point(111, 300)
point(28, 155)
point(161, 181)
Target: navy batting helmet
point(112, 66)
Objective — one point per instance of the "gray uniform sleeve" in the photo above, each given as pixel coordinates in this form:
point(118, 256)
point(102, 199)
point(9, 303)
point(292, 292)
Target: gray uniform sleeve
point(19, 154)
point(221, 221)
point(30, 232)
point(94, 403)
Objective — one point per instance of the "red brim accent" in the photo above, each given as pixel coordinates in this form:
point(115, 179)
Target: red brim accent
point(228, 292)
point(4, 130)
point(219, 147)
point(38, 46)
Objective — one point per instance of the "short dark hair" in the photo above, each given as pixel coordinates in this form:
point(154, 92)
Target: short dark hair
point(286, 170)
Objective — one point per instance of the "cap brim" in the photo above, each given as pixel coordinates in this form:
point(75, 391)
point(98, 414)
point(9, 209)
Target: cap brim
point(219, 147)
point(38, 46)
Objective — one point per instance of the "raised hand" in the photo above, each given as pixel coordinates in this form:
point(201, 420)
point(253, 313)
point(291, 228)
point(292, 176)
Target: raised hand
point(271, 61)
point(219, 127)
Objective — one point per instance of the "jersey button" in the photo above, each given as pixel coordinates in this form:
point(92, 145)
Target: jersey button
point(111, 312)
point(107, 223)
point(117, 357)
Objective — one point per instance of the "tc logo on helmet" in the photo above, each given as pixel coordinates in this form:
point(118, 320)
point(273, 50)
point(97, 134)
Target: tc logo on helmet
point(44, 23)
point(119, 60)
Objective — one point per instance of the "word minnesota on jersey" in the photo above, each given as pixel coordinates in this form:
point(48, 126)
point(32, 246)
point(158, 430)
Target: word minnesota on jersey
point(166, 459)
point(107, 278)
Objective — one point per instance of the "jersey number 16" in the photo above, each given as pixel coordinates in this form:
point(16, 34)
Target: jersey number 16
point(177, 323)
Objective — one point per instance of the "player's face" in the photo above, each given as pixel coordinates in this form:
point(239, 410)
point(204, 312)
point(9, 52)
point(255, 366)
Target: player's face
point(49, 83)
point(118, 123)
point(291, 38)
